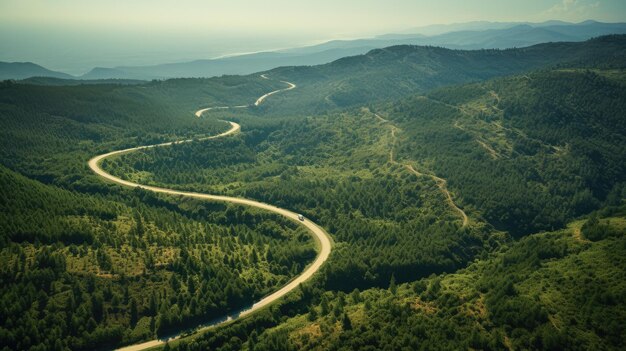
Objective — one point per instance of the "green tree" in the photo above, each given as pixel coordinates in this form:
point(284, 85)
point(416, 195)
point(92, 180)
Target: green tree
point(133, 312)
point(324, 306)
point(312, 313)
point(392, 285)
point(346, 323)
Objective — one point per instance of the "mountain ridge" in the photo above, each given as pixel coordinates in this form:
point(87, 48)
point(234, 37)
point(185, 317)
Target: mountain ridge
point(22, 70)
point(406, 69)
point(469, 36)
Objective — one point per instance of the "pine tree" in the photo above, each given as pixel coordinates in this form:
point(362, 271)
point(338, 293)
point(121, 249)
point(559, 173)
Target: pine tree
point(312, 313)
point(392, 285)
point(133, 312)
point(139, 228)
point(253, 340)
point(324, 306)
point(152, 306)
point(346, 323)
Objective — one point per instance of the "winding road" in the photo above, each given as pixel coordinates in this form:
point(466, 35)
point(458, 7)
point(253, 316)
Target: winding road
point(318, 233)
point(262, 98)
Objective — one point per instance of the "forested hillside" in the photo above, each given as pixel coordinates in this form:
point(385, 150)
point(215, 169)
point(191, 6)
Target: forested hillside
point(549, 291)
point(88, 265)
point(399, 71)
point(335, 170)
point(512, 159)
point(528, 152)
point(82, 271)
point(486, 215)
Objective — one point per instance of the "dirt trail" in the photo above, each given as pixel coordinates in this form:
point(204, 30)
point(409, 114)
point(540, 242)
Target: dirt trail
point(577, 232)
point(441, 183)
point(320, 235)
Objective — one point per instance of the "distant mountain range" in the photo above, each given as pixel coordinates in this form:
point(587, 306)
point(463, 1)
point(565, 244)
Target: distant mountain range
point(472, 35)
point(437, 29)
point(23, 70)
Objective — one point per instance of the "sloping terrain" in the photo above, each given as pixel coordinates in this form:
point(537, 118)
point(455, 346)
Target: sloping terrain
point(23, 70)
point(461, 212)
point(528, 152)
point(398, 71)
point(548, 291)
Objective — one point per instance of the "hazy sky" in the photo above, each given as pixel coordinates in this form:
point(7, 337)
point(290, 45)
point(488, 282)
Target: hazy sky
point(74, 35)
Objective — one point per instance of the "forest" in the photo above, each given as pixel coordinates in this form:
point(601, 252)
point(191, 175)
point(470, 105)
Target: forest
point(88, 265)
point(548, 291)
point(339, 175)
point(527, 163)
point(404, 70)
point(478, 137)
point(484, 215)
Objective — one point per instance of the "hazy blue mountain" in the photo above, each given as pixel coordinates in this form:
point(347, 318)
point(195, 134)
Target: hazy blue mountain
point(524, 35)
point(589, 28)
point(473, 35)
point(483, 35)
point(242, 64)
point(517, 36)
point(114, 73)
point(21, 70)
point(68, 82)
point(437, 29)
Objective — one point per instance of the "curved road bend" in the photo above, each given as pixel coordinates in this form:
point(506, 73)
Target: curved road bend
point(258, 101)
point(262, 98)
point(318, 233)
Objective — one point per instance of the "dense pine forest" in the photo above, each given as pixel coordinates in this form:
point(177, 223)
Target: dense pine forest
point(481, 211)
point(527, 162)
point(551, 291)
point(86, 264)
point(83, 271)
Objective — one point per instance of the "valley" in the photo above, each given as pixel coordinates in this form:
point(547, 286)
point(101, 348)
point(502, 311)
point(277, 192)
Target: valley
point(322, 238)
point(412, 197)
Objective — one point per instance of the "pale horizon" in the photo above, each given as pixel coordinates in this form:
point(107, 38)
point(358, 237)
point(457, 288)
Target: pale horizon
point(75, 36)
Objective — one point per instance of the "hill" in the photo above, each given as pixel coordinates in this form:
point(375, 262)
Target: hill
point(23, 70)
point(459, 211)
point(87, 265)
point(470, 38)
point(399, 71)
point(528, 152)
point(549, 291)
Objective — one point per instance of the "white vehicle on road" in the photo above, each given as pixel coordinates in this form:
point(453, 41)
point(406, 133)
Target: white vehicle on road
point(301, 217)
